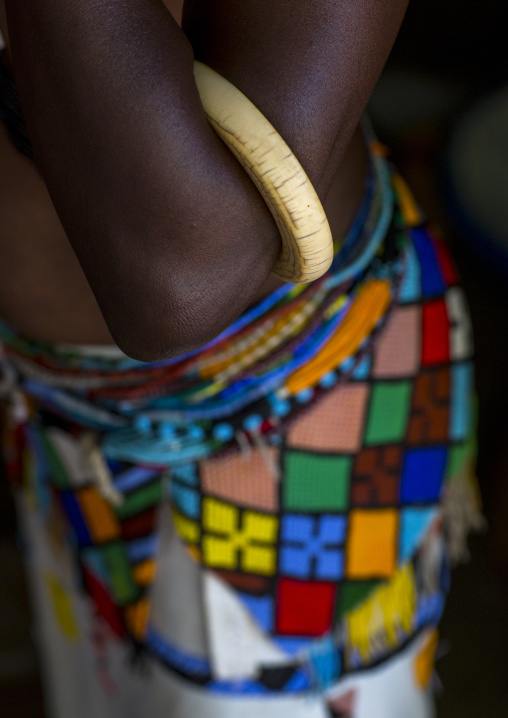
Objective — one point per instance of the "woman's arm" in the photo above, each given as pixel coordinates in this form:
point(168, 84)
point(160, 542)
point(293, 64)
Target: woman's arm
point(309, 66)
point(172, 235)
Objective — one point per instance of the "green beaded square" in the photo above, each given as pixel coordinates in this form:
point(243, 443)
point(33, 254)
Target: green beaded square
point(122, 586)
point(388, 412)
point(316, 483)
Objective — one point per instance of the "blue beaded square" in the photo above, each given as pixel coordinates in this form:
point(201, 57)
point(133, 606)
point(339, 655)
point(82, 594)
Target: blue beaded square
point(414, 524)
point(462, 402)
point(433, 283)
point(311, 547)
point(422, 475)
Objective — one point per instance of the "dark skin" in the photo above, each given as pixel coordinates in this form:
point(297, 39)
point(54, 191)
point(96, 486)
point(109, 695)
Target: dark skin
point(172, 236)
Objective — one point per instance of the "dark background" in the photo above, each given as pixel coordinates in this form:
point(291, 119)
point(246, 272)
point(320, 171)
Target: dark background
point(448, 56)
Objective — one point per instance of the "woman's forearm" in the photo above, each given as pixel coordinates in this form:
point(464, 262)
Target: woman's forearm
point(308, 65)
point(172, 235)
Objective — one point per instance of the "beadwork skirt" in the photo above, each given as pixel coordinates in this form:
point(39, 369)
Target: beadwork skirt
point(267, 523)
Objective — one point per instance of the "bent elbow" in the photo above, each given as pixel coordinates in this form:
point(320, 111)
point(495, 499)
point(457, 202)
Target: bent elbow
point(169, 307)
point(156, 341)
point(147, 349)
point(154, 331)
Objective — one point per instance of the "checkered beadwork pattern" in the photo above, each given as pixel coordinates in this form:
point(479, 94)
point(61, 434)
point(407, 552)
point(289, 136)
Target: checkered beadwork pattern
point(116, 545)
point(363, 470)
point(323, 526)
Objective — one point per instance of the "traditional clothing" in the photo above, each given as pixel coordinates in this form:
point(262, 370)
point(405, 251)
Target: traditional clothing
point(265, 523)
